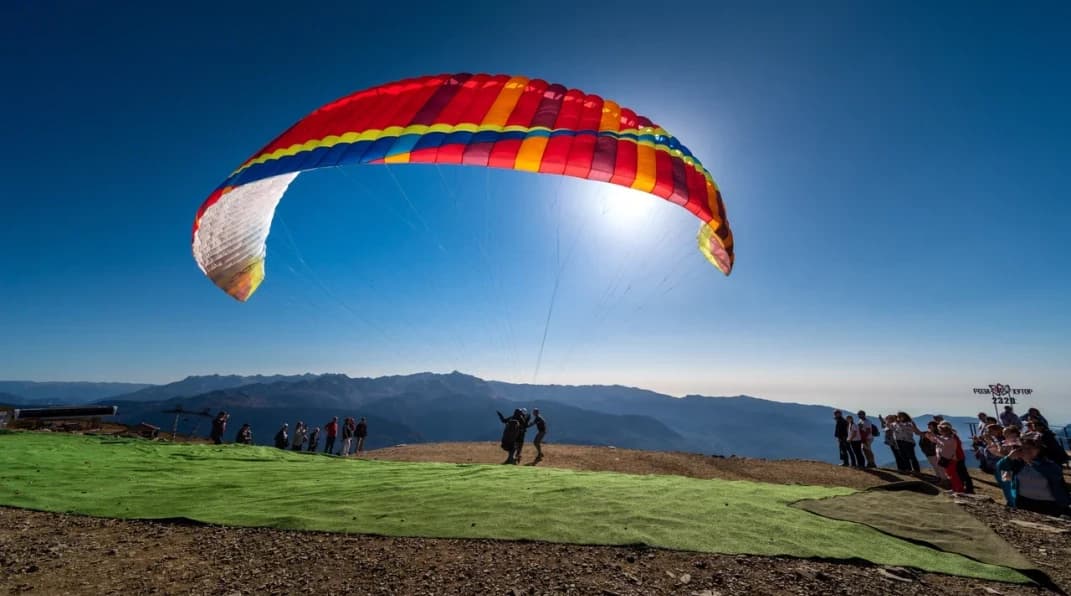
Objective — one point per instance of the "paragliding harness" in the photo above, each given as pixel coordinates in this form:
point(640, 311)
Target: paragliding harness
point(510, 434)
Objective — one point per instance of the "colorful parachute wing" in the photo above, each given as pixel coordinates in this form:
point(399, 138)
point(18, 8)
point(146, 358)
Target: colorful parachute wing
point(481, 120)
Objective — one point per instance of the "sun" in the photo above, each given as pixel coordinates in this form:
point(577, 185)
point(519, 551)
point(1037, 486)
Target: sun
point(625, 209)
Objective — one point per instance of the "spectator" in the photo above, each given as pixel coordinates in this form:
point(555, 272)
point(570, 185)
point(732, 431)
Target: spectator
point(361, 432)
point(1035, 415)
point(840, 432)
point(281, 437)
point(929, 449)
point(855, 444)
point(219, 426)
point(314, 440)
point(867, 430)
point(946, 441)
point(904, 433)
point(245, 435)
point(300, 435)
point(1032, 482)
point(993, 448)
point(348, 428)
point(1031, 431)
point(1049, 447)
point(888, 422)
point(961, 464)
point(1012, 437)
point(1009, 418)
point(332, 431)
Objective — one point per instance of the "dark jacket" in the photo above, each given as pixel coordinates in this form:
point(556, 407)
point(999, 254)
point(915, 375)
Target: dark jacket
point(1052, 449)
point(841, 430)
point(929, 449)
point(362, 430)
point(219, 426)
point(540, 424)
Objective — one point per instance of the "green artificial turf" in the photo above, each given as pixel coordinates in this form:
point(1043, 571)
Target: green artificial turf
point(261, 486)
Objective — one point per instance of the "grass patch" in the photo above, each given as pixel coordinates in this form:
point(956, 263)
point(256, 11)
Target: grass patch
point(261, 486)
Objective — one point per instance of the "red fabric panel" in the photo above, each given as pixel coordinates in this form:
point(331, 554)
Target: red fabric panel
point(526, 106)
point(680, 181)
point(625, 165)
point(454, 111)
point(579, 161)
point(387, 114)
point(423, 155)
point(663, 175)
point(557, 151)
point(414, 100)
point(442, 96)
point(697, 193)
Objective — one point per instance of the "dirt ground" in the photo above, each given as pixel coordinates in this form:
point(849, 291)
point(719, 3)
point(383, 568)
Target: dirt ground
point(47, 553)
point(630, 461)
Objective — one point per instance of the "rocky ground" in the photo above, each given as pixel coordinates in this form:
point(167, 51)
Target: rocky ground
point(47, 553)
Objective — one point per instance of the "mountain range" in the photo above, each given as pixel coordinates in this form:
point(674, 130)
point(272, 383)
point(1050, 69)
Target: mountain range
point(431, 407)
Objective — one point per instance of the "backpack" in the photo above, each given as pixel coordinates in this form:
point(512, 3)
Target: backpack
point(874, 430)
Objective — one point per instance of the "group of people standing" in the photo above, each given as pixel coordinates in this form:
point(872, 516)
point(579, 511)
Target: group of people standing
point(515, 428)
point(1027, 467)
point(354, 433)
point(1025, 459)
point(854, 437)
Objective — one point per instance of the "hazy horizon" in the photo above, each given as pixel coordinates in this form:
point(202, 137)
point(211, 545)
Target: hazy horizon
point(916, 405)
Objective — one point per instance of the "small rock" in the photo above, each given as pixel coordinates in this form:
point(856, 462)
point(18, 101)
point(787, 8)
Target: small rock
point(686, 578)
point(671, 574)
point(894, 576)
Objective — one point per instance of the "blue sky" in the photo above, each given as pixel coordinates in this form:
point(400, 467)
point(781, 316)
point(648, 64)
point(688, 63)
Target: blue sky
point(896, 176)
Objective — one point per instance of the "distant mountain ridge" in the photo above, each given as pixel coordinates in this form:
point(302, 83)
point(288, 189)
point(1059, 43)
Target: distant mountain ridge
point(197, 384)
point(64, 392)
point(424, 407)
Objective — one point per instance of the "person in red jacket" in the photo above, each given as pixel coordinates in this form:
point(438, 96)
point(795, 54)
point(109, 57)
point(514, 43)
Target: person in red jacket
point(331, 428)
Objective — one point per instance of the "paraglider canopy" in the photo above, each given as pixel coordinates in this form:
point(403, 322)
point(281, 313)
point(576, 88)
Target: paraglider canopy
point(479, 120)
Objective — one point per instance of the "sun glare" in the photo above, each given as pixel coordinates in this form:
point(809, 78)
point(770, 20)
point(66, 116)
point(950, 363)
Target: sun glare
point(624, 209)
